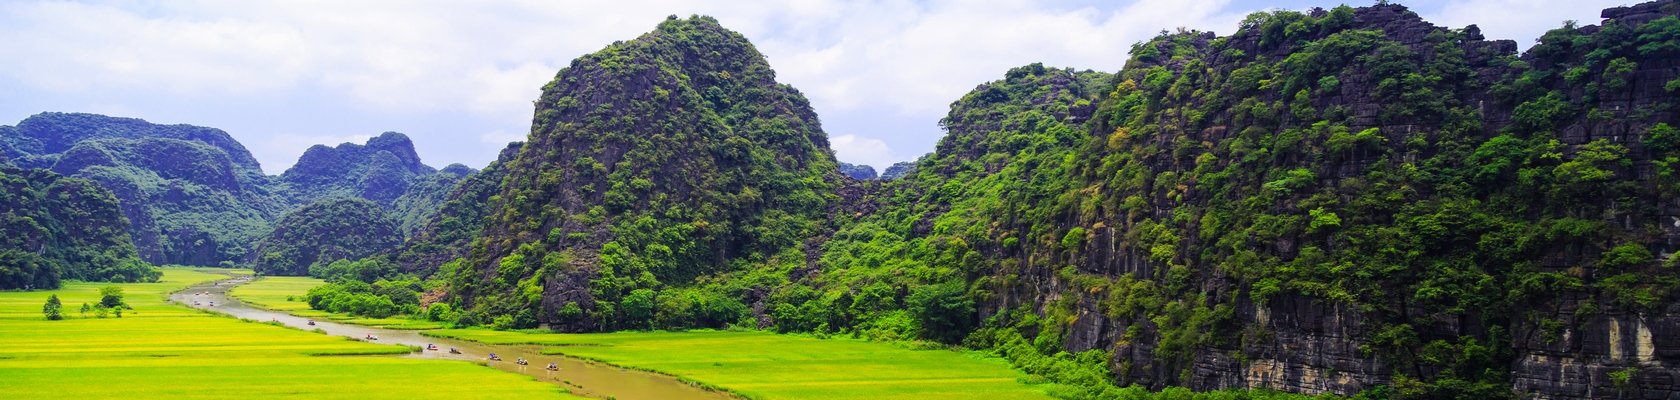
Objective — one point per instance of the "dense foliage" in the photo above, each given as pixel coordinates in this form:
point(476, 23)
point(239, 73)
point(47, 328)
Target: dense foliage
point(195, 196)
point(654, 166)
point(382, 170)
point(323, 232)
point(423, 199)
point(192, 195)
point(459, 220)
point(58, 228)
point(1423, 207)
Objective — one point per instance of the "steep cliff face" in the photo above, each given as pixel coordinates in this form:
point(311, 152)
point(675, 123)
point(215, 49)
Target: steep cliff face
point(1329, 202)
point(650, 164)
point(192, 195)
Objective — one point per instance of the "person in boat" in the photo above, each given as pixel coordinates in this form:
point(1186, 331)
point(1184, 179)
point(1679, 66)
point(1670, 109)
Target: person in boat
point(521, 361)
point(494, 358)
point(553, 366)
point(453, 351)
point(371, 337)
point(312, 322)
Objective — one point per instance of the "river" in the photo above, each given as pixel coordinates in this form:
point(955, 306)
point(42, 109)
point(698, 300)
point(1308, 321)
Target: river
point(581, 377)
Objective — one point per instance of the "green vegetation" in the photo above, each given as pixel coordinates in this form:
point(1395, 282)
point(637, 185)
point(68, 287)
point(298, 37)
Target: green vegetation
point(460, 219)
point(58, 228)
point(322, 232)
point(380, 172)
point(1428, 199)
point(769, 366)
point(655, 164)
point(291, 294)
point(168, 351)
point(423, 199)
point(193, 195)
point(54, 309)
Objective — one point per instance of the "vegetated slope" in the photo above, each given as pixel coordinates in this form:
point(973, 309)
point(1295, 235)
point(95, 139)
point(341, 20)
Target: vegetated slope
point(1331, 201)
point(381, 170)
point(192, 195)
point(60, 228)
point(449, 232)
point(658, 162)
point(859, 172)
point(422, 200)
point(339, 228)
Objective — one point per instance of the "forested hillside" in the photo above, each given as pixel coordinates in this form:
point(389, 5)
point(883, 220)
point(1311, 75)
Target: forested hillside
point(331, 229)
point(1337, 201)
point(192, 195)
point(1331, 201)
point(663, 162)
point(59, 228)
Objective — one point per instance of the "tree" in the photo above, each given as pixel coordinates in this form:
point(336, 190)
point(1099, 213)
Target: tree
point(53, 309)
point(945, 310)
point(111, 297)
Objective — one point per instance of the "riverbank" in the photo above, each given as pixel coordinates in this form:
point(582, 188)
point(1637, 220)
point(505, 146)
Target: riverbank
point(576, 376)
point(287, 294)
point(164, 350)
point(763, 365)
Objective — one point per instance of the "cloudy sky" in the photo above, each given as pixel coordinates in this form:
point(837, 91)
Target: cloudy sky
point(459, 77)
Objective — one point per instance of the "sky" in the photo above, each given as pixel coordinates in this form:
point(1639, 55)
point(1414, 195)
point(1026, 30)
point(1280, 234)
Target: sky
point(460, 77)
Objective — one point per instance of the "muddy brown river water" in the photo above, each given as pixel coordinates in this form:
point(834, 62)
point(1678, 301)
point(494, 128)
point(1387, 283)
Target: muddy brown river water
point(582, 378)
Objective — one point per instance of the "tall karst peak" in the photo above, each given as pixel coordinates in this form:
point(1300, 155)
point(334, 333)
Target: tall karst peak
point(683, 131)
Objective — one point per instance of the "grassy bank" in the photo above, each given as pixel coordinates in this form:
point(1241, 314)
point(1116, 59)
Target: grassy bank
point(286, 293)
point(769, 366)
point(160, 350)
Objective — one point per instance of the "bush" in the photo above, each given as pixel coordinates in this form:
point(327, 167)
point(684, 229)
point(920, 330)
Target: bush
point(111, 297)
point(54, 309)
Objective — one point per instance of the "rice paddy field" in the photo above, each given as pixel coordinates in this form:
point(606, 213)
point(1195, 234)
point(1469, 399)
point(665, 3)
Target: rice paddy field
point(763, 365)
point(286, 293)
point(159, 350)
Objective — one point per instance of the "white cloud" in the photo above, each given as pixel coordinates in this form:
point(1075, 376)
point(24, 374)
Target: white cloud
point(861, 150)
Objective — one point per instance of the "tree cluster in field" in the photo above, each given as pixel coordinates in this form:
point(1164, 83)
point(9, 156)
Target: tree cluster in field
point(368, 287)
point(110, 303)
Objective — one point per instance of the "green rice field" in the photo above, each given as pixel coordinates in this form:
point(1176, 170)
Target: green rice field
point(159, 350)
point(763, 365)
